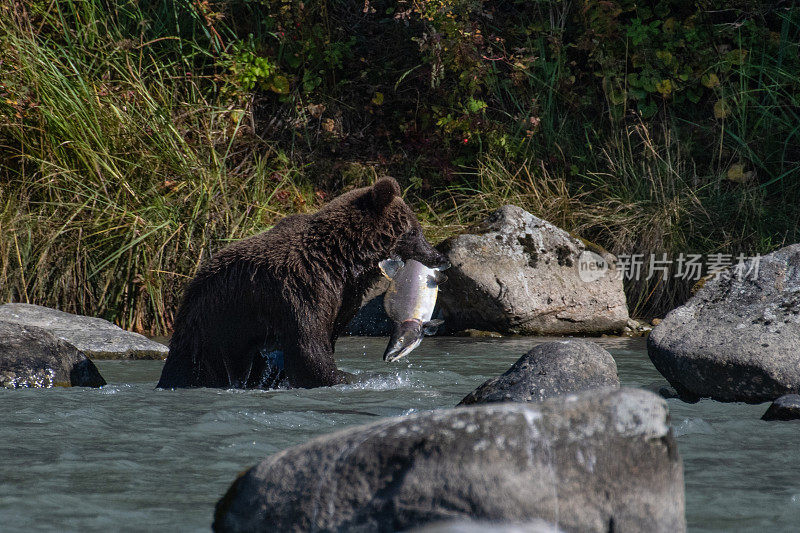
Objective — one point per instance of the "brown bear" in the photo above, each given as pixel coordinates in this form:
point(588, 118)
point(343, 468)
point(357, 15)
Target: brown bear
point(292, 289)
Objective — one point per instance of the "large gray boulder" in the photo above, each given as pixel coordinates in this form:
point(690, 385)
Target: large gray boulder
point(599, 461)
point(33, 357)
point(516, 273)
point(97, 338)
point(550, 369)
point(738, 338)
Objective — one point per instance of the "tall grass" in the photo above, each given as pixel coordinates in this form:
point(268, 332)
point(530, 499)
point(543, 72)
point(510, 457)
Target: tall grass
point(683, 182)
point(122, 163)
point(646, 197)
point(118, 178)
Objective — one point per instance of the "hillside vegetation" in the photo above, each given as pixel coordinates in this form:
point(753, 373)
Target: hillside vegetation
point(136, 137)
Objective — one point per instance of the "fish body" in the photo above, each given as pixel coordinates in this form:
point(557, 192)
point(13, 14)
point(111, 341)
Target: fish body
point(409, 302)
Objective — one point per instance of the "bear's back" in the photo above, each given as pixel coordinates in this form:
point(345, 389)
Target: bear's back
point(267, 248)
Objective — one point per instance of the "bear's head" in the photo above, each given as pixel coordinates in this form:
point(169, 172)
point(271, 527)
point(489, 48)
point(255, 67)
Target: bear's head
point(408, 242)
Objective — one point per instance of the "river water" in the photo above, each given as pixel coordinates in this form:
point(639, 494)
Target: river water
point(127, 457)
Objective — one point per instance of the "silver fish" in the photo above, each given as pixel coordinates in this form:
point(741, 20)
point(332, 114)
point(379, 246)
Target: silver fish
point(409, 302)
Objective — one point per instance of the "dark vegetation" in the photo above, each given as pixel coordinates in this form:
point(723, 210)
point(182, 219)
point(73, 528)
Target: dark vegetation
point(137, 136)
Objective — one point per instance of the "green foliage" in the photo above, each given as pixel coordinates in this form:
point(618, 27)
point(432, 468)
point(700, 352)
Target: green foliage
point(297, 39)
point(117, 176)
point(250, 71)
point(138, 135)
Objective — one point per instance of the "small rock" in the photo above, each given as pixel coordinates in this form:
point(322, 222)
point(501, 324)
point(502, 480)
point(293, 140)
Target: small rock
point(33, 357)
point(640, 326)
point(786, 407)
point(97, 338)
point(593, 462)
point(738, 338)
point(518, 274)
point(663, 389)
point(635, 328)
point(478, 334)
point(655, 322)
point(550, 369)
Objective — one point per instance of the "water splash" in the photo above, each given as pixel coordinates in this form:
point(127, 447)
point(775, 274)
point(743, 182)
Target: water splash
point(690, 426)
point(274, 376)
point(391, 381)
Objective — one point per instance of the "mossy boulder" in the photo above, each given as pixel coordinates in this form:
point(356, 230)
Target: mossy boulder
point(516, 273)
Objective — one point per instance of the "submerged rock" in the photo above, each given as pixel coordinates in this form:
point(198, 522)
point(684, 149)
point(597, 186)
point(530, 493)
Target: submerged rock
point(598, 461)
point(33, 357)
point(663, 389)
point(520, 274)
point(784, 408)
point(97, 338)
point(548, 370)
point(738, 338)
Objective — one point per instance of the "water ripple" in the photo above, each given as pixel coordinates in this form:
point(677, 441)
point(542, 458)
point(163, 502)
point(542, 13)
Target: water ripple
point(128, 457)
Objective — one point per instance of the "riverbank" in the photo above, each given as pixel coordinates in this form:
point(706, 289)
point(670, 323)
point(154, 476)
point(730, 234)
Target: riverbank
point(137, 140)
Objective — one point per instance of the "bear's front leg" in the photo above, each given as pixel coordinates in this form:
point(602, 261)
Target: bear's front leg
point(310, 363)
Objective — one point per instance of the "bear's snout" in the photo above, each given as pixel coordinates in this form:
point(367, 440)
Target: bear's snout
point(443, 264)
point(415, 246)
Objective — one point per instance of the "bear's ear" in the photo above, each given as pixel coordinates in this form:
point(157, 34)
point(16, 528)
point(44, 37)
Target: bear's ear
point(384, 191)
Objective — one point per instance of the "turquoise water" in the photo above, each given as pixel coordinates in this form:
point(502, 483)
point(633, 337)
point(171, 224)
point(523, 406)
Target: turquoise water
point(127, 457)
